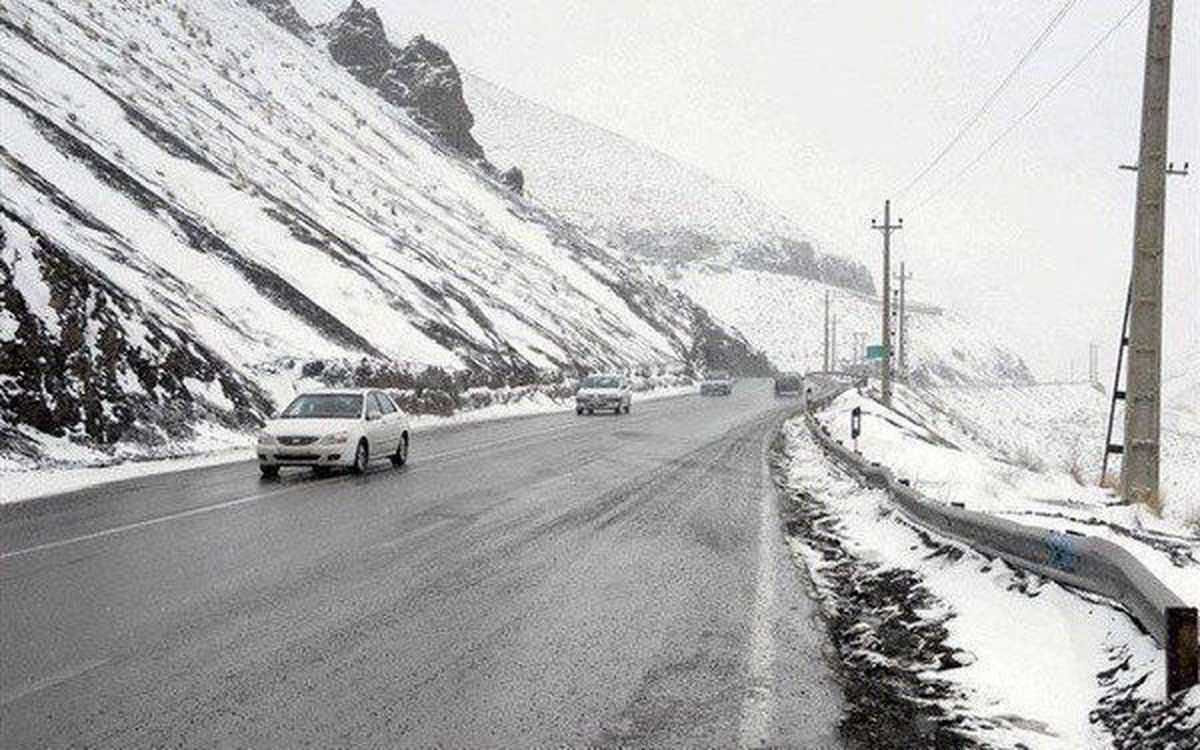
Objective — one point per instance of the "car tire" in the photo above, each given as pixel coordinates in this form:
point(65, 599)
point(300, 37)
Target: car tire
point(590, 412)
point(400, 457)
point(626, 408)
point(268, 472)
point(579, 411)
point(362, 458)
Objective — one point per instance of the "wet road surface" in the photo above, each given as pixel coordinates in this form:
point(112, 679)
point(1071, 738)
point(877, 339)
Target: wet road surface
point(549, 580)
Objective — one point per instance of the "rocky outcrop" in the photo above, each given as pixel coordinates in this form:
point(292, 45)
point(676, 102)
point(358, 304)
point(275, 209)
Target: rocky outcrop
point(798, 258)
point(514, 179)
point(420, 77)
point(80, 359)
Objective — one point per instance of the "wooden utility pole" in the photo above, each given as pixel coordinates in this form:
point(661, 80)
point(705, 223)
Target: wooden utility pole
point(885, 364)
point(902, 336)
point(1143, 378)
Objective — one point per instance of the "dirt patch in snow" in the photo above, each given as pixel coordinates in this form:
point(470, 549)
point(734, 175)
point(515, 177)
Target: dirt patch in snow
point(880, 622)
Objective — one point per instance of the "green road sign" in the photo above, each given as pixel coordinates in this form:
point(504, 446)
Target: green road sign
point(875, 351)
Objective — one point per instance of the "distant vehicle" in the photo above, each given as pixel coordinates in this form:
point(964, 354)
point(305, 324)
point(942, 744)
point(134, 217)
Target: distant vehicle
point(603, 392)
point(789, 384)
point(716, 383)
point(344, 428)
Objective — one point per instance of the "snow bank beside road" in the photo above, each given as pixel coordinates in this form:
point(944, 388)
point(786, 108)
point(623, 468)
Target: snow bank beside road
point(939, 643)
point(927, 446)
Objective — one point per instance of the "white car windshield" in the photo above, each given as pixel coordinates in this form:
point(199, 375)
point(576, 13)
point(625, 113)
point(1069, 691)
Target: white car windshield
point(324, 406)
point(600, 381)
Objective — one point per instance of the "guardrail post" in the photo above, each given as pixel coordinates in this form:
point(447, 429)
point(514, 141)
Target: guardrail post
point(1183, 653)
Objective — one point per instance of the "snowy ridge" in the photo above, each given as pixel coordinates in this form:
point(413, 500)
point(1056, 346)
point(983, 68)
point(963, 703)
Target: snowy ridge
point(640, 200)
point(242, 197)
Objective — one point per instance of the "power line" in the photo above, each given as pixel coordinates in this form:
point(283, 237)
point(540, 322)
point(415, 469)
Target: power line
point(992, 97)
point(1036, 104)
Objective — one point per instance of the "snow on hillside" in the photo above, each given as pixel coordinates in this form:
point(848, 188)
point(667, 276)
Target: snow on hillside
point(784, 316)
point(1181, 391)
point(639, 199)
point(199, 203)
point(1059, 429)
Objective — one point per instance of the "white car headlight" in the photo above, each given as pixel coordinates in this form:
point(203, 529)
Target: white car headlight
point(336, 437)
point(266, 438)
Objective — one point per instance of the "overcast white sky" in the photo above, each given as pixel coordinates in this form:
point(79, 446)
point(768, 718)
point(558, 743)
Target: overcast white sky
point(826, 108)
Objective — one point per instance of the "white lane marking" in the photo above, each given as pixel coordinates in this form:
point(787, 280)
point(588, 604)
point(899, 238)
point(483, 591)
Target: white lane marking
point(147, 522)
point(758, 705)
point(50, 680)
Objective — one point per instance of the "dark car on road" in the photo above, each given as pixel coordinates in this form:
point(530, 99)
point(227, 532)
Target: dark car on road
point(789, 384)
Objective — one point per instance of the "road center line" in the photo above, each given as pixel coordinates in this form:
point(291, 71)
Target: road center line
point(147, 522)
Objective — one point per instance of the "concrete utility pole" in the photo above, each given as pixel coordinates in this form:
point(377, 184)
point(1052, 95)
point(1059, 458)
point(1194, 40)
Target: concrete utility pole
point(902, 367)
point(1143, 378)
point(885, 364)
point(833, 344)
point(825, 340)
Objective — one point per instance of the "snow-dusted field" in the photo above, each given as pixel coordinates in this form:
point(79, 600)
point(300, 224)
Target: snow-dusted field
point(1060, 429)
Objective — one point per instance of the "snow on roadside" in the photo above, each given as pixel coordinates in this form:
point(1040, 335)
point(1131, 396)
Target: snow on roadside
point(1064, 425)
point(947, 463)
point(213, 447)
point(941, 646)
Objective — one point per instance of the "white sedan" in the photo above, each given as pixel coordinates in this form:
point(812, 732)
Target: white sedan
point(334, 429)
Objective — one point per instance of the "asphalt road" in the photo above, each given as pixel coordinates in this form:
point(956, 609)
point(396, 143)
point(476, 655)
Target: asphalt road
point(550, 580)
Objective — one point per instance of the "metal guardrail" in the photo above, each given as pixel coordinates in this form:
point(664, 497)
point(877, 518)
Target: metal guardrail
point(1083, 562)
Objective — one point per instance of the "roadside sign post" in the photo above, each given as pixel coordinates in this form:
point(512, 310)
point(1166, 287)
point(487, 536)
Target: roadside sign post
point(856, 425)
point(876, 351)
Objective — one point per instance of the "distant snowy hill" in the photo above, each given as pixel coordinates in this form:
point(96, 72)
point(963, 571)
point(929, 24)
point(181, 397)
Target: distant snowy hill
point(784, 316)
point(750, 266)
point(200, 200)
point(640, 200)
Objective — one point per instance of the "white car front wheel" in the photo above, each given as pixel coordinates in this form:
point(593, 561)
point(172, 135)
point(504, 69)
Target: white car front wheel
point(400, 457)
point(362, 456)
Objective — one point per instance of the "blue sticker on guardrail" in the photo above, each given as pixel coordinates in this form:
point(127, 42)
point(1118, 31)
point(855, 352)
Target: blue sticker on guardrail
point(1062, 551)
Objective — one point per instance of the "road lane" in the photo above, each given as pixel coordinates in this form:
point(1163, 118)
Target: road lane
point(544, 580)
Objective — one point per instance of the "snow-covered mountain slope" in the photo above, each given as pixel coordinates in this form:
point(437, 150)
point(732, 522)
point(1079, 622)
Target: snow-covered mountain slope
point(640, 200)
point(198, 201)
point(784, 316)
